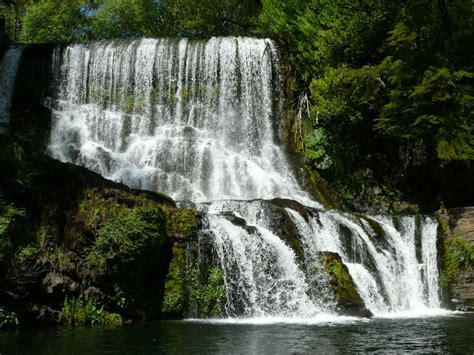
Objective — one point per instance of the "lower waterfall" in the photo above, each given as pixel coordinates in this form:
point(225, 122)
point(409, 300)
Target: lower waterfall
point(387, 272)
point(198, 120)
point(262, 276)
point(395, 269)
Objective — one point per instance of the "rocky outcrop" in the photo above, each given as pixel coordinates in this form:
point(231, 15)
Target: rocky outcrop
point(348, 300)
point(461, 226)
point(461, 221)
point(75, 243)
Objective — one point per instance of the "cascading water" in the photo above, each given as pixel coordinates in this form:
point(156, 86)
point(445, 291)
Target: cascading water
point(388, 274)
point(197, 120)
point(8, 71)
point(194, 120)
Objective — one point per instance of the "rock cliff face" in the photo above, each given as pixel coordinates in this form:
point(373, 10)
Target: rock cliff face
point(74, 245)
point(461, 222)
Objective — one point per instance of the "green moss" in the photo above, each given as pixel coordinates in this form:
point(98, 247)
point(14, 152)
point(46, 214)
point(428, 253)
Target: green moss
point(399, 207)
point(193, 287)
point(78, 311)
point(320, 189)
point(99, 205)
point(184, 221)
point(342, 282)
point(457, 254)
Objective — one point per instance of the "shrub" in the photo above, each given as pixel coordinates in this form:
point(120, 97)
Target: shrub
point(123, 239)
point(28, 253)
point(78, 311)
point(458, 255)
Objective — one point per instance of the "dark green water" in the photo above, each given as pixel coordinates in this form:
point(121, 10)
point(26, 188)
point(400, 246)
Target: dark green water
point(449, 334)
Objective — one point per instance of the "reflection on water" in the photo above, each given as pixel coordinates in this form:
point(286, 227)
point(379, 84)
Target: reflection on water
point(428, 335)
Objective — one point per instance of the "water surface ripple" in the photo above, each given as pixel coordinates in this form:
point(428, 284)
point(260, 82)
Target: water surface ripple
point(447, 334)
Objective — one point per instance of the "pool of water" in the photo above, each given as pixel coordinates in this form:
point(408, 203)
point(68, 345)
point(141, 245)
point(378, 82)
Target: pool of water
point(452, 333)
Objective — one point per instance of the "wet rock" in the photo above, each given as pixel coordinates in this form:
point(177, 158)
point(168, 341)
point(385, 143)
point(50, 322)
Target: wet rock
point(55, 282)
point(294, 205)
point(47, 315)
point(349, 301)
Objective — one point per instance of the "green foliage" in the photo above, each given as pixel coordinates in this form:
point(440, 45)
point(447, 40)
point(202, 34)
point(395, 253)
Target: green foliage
point(210, 294)
point(122, 240)
point(190, 286)
point(437, 109)
point(389, 82)
point(78, 311)
point(458, 254)
point(79, 20)
point(129, 18)
point(13, 11)
point(205, 18)
point(28, 254)
point(174, 300)
point(51, 20)
point(112, 242)
point(317, 144)
point(8, 320)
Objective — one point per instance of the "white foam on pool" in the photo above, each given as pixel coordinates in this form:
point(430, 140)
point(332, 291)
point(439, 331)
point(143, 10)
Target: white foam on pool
point(323, 319)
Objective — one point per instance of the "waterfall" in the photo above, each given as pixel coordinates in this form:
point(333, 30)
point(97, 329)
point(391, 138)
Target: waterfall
point(389, 276)
point(198, 120)
point(254, 288)
point(8, 70)
point(195, 120)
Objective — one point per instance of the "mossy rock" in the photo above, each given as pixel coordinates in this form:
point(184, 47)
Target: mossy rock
point(195, 281)
point(100, 234)
point(349, 301)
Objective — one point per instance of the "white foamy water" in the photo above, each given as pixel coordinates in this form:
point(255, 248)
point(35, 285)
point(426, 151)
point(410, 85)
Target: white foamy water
point(387, 272)
point(322, 319)
point(195, 120)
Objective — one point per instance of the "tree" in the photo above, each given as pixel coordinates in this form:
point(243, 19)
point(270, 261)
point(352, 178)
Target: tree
point(13, 11)
point(130, 18)
point(390, 85)
point(205, 18)
point(51, 20)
